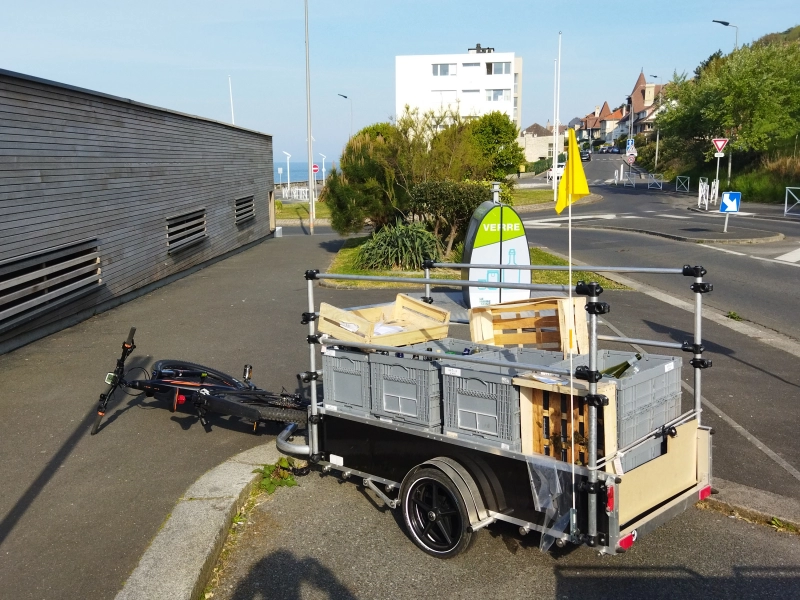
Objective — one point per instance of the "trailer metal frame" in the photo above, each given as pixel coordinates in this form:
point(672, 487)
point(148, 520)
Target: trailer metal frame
point(532, 491)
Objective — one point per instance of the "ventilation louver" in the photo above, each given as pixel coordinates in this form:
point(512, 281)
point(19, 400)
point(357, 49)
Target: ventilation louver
point(186, 229)
point(36, 283)
point(245, 209)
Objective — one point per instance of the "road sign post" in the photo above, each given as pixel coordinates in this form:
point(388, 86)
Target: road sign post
point(730, 204)
point(719, 144)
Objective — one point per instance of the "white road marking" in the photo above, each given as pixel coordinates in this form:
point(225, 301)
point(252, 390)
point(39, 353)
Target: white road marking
point(791, 257)
point(631, 217)
point(724, 250)
point(565, 219)
point(672, 216)
point(780, 262)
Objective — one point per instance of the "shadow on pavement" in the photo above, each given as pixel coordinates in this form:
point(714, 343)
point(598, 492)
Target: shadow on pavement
point(51, 468)
point(281, 575)
point(589, 583)
point(680, 336)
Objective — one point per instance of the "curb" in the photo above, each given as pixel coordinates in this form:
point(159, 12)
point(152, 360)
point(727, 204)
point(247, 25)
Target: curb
point(777, 218)
point(179, 560)
point(754, 503)
point(774, 238)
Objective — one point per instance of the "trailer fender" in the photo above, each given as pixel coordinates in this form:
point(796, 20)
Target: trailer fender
point(464, 483)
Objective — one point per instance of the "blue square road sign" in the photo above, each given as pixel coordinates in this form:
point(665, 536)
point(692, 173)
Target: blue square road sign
point(730, 202)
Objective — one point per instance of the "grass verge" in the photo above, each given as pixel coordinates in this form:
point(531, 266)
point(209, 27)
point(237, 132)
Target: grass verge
point(344, 264)
point(299, 210)
point(526, 197)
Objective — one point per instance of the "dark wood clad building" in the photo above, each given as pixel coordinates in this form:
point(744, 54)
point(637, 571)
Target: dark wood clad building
point(102, 196)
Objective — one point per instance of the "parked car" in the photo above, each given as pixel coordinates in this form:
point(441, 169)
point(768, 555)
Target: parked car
point(604, 150)
point(615, 150)
point(559, 173)
point(586, 156)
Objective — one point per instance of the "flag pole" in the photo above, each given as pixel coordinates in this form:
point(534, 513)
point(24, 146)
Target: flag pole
point(555, 128)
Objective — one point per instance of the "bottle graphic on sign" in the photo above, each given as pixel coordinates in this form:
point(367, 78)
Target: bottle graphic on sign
point(512, 260)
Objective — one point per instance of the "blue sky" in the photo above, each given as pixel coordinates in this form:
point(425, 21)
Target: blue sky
point(178, 54)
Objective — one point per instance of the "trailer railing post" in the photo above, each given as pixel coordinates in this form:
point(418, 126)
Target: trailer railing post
point(699, 287)
point(313, 432)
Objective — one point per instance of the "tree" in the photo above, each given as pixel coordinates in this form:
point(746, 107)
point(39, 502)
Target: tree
point(496, 136)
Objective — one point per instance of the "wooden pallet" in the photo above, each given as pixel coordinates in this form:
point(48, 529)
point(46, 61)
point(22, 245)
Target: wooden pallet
point(541, 322)
point(420, 322)
point(549, 427)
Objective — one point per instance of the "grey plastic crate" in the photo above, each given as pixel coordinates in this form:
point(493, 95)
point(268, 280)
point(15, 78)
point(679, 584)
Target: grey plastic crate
point(346, 381)
point(405, 389)
point(645, 401)
point(408, 389)
point(481, 403)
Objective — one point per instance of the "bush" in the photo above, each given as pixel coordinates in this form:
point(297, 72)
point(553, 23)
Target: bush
point(278, 205)
point(401, 246)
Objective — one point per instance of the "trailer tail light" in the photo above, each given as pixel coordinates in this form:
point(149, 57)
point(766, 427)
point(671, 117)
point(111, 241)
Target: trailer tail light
point(705, 492)
point(626, 542)
point(610, 499)
point(181, 399)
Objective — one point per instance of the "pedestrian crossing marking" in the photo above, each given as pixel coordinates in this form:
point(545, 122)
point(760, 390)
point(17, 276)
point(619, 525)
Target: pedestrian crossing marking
point(791, 257)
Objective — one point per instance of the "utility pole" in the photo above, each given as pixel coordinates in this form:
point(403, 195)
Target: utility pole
point(312, 206)
point(658, 131)
point(230, 89)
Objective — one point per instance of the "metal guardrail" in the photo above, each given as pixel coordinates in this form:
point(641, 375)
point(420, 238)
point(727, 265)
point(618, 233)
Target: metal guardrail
point(790, 191)
point(655, 181)
point(682, 183)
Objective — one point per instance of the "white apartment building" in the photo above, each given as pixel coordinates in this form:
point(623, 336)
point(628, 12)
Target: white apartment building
point(477, 82)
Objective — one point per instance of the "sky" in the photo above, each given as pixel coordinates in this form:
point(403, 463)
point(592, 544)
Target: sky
point(178, 54)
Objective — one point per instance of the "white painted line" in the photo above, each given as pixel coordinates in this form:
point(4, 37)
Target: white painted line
point(712, 247)
point(565, 219)
point(631, 217)
point(778, 262)
point(791, 257)
point(738, 428)
point(672, 216)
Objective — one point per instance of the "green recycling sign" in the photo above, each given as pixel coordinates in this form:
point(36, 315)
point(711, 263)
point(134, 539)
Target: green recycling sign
point(495, 236)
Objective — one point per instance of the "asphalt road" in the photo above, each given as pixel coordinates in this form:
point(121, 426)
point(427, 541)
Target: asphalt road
point(331, 539)
point(77, 512)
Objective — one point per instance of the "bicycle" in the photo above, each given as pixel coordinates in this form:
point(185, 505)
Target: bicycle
point(206, 390)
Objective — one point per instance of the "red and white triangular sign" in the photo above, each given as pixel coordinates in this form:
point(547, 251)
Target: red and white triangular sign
point(720, 143)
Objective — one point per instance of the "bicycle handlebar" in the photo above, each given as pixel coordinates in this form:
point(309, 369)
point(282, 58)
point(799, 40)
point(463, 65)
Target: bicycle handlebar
point(129, 341)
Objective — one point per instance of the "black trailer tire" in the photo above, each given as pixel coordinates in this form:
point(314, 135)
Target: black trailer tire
point(435, 514)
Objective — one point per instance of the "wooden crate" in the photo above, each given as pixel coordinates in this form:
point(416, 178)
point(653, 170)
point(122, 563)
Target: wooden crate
point(420, 322)
point(547, 426)
point(522, 323)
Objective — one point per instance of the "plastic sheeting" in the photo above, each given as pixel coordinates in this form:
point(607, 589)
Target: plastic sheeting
point(552, 496)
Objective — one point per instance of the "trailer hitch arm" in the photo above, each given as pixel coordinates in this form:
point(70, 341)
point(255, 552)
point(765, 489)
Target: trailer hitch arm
point(287, 447)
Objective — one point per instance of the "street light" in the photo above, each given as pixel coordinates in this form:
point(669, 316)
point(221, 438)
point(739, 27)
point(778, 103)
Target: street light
point(658, 131)
point(288, 171)
point(728, 24)
point(323, 168)
point(351, 112)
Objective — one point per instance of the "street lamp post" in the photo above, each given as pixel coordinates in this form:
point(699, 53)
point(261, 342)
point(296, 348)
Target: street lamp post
point(323, 168)
point(658, 131)
point(288, 172)
point(351, 111)
point(735, 47)
point(728, 24)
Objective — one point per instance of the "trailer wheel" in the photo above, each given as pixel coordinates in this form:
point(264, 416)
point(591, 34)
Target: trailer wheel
point(435, 514)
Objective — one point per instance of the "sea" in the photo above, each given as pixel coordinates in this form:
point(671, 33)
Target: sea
point(299, 170)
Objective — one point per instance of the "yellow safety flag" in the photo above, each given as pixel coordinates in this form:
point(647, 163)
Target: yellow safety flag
point(573, 184)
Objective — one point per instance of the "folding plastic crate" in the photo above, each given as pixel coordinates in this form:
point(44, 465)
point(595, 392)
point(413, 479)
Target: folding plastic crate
point(346, 381)
point(407, 387)
point(646, 400)
point(481, 403)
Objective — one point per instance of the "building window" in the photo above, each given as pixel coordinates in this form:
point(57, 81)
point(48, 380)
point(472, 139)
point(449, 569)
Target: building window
point(498, 95)
point(549, 150)
point(444, 70)
point(514, 118)
point(471, 64)
point(516, 83)
point(499, 68)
